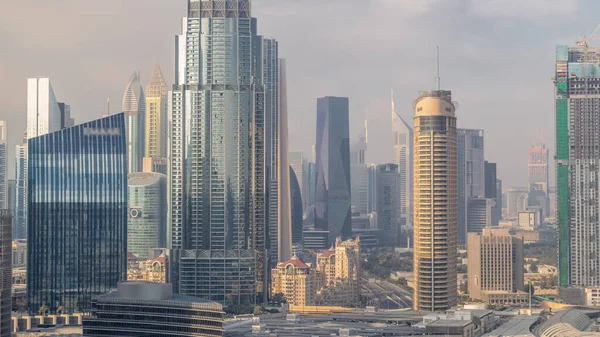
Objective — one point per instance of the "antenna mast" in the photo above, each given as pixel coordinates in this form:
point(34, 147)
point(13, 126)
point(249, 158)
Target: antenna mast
point(438, 79)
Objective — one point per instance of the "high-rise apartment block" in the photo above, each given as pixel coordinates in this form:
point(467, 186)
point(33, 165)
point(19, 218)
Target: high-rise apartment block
point(222, 176)
point(539, 177)
point(5, 272)
point(495, 267)
point(402, 156)
point(332, 191)
point(76, 237)
point(147, 216)
point(471, 175)
point(3, 165)
point(435, 191)
point(134, 107)
point(577, 161)
point(20, 216)
point(388, 193)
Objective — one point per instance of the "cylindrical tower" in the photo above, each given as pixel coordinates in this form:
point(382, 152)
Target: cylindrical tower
point(435, 201)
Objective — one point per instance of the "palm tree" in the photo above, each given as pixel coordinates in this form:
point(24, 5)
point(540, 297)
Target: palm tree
point(43, 310)
point(60, 310)
point(21, 306)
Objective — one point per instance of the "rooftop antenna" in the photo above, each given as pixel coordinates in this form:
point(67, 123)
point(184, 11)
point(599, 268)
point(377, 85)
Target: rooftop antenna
point(438, 79)
point(108, 106)
point(367, 126)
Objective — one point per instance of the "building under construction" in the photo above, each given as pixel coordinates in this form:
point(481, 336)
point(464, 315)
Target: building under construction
point(577, 97)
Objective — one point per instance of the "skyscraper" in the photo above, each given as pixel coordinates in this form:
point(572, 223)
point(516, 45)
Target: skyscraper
point(296, 213)
point(3, 164)
point(5, 272)
point(300, 166)
point(403, 157)
point(372, 195)
point(43, 112)
point(435, 191)
point(388, 193)
point(359, 172)
point(134, 107)
point(147, 218)
point(577, 161)
point(44, 115)
point(76, 238)
point(20, 217)
point(537, 166)
point(284, 217)
point(491, 192)
point(11, 200)
point(471, 175)
point(218, 179)
point(156, 115)
point(332, 191)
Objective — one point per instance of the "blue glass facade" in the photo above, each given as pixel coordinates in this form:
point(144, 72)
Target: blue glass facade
point(296, 205)
point(77, 214)
point(332, 191)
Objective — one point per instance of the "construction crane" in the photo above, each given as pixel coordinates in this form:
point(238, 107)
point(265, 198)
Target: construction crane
point(584, 41)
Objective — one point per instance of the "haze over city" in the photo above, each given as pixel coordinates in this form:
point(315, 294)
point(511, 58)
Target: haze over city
point(234, 168)
point(496, 56)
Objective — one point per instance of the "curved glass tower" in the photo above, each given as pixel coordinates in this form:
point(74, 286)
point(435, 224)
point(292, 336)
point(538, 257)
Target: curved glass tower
point(77, 214)
point(332, 191)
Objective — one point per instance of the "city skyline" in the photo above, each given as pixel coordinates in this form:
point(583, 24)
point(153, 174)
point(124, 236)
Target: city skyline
point(467, 53)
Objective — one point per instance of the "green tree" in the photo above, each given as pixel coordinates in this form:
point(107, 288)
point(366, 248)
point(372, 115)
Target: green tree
point(278, 298)
point(258, 310)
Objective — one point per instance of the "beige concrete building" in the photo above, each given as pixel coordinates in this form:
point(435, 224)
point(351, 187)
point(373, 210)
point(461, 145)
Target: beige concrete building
point(495, 267)
point(156, 270)
point(435, 201)
point(296, 280)
point(339, 272)
point(334, 281)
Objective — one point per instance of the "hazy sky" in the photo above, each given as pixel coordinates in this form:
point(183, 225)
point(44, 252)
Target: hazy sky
point(497, 57)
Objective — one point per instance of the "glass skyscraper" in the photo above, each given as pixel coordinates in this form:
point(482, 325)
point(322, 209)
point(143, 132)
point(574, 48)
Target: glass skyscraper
point(332, 191)
point(77, 214)
point(217, 139)
point(147, 218)
point(471, 175)
point(5, 272)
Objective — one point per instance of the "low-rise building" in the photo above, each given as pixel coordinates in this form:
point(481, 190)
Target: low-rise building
point(151, 309)
point(465, 323)
point(296, 281)
point(334, 281)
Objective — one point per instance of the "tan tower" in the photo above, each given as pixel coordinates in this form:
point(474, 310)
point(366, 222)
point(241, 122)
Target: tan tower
point(156, 115)
point(435, 201)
